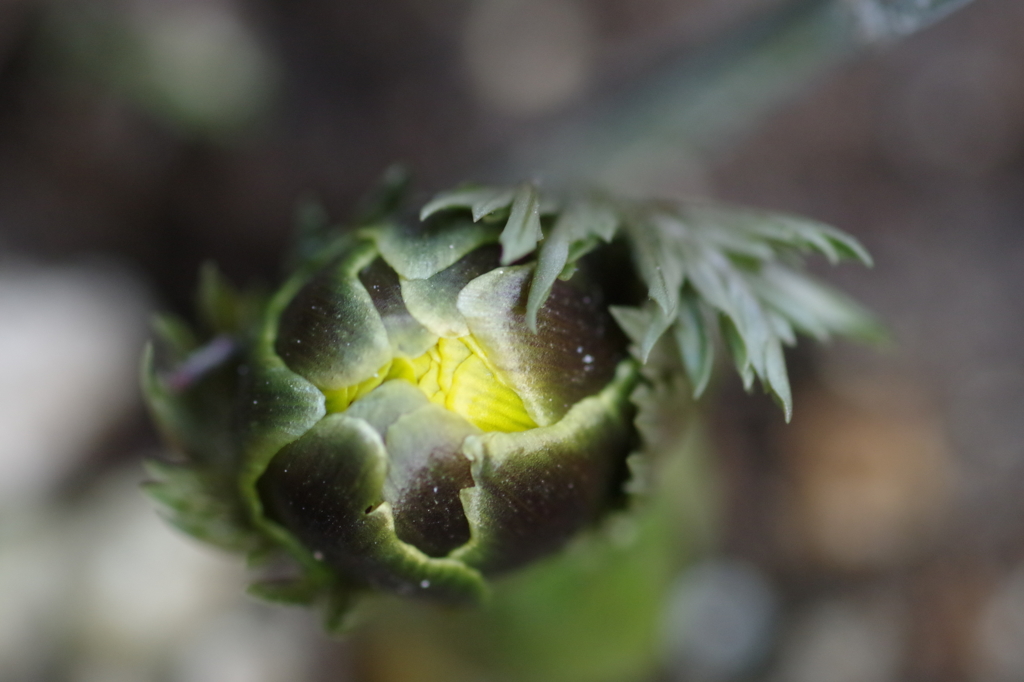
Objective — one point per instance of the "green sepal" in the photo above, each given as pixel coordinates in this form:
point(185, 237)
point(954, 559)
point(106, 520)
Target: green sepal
point(536, 489)
point(174, 334)
point(426, 471)
point(201, 504)
point(330, 331)
point(406, 335)
point(296, 592)
point(434, 301)
point(222, 308)
point(275, 408)
point(327, 487)
point(421, 251)
point(573, 353)
point(196, 421)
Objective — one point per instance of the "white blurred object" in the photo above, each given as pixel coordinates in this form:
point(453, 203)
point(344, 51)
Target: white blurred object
point(845, 641)
point(70, 339)
point(719, 621)
point(33, 594)
point(257, 643)
point(109, 592)
point(144, 585)
point(528, 57)
point(1000, 632)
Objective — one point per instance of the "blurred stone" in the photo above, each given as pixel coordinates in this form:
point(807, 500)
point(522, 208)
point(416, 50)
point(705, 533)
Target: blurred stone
point(529, 57)
point(70, 339)
point(719, 621)
point(845, 641)
point(107, 591)
point(1000, 632)
point(142, 586)
point(34, 593)
point(250, 643)
point(869, 475)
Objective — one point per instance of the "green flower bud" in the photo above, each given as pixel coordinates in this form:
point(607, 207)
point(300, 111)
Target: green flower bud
point(428, 403)
point(456, 442)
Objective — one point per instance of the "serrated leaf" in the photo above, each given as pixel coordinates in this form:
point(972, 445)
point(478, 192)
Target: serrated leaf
point(657, 258)
point(813, 308)
point(696, 343)
point(718, 281)
point(776, 378)
point(782, 328)
point(723, 253)
point(776, 228)
point(738, 350)
point(575, 233)
point(522, 231)
point(480, 200)
point(634, 322)
point(659, 324)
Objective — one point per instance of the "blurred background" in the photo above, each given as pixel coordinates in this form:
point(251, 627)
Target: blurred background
point(878, 538)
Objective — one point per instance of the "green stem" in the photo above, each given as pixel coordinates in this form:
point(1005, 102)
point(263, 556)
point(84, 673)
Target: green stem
point(702, 101)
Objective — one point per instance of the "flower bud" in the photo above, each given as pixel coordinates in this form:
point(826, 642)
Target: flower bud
point(455, 441)
point(427, 403)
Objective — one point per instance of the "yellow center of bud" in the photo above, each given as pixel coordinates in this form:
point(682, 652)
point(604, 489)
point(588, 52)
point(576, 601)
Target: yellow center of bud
point(456, 375)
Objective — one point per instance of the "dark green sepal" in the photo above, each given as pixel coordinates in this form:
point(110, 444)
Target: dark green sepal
point(426, 471)
point(327, 489)
point(275, 407)
point(223, 308)
point(194, 419)
point(536, 489)
point(434, 301)
point(296, 592)
point(408, 337)
point(573, 353)
point(330, 331)
point(420, 251)
point(201, 504)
